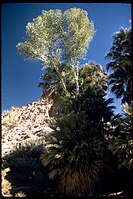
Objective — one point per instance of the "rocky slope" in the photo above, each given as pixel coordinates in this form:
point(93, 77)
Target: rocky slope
point(23, 125)
point(26, 123)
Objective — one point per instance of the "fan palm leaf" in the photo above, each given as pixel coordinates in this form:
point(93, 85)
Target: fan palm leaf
point(121, 65)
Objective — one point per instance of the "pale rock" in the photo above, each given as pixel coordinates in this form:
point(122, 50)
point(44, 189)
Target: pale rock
point(30, 122)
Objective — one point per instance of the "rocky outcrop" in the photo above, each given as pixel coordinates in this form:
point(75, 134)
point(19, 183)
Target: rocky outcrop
point(26, 123)
point(21, 126)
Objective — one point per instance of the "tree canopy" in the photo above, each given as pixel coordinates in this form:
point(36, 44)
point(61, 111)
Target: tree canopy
point(58, 38)
point(55, 34)
point(121, 65)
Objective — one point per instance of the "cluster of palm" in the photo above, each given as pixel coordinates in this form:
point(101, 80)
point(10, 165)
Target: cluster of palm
point(122, 144)
point(121, 81)
point(87, 128)
point(76, 149)
point(89, 74)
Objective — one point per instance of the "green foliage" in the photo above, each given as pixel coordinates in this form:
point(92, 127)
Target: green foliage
point(90, 75)
point(122, 145)
point(94, 75)
point(58, 38)
point(79, 32)
point(54, 34)
point(75, 149)
point(74, 157)
point(93, 105)
point(26, 171)
point(26, 156)
point(121, 65)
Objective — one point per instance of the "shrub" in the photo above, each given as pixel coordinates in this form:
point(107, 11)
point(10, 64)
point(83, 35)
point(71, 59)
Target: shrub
point(26, 170)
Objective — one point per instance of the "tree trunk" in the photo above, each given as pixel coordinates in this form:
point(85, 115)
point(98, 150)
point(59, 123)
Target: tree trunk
point(61, 78)
point(77, 79)
point(76, 76)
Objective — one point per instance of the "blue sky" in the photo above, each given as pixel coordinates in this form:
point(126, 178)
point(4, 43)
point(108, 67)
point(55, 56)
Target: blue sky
point(19, 77)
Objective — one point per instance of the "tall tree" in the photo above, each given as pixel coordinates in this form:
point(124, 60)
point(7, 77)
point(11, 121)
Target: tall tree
point(122, 144)
point(89, 74)
point(121, 65)
point(58, 39)
point(75, 149)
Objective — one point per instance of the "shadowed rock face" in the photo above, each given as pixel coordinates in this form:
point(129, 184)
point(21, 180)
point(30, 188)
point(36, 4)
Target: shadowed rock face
point(22, 126)
point(26, 123)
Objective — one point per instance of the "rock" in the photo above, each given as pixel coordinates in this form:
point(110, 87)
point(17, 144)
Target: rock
point(20, 126)
point(28, 122)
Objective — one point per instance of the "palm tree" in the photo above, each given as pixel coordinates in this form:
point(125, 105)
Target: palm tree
point(121, 65)
point(89, 74)
point(75, 149)
point(53, 88)
point(122, 144)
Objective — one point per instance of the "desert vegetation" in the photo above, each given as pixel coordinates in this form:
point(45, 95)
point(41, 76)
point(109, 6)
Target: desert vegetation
point(89, 151)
